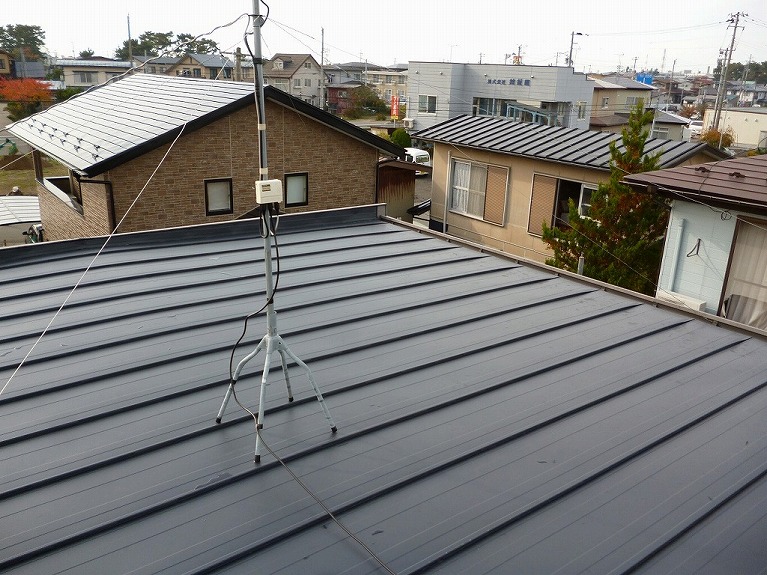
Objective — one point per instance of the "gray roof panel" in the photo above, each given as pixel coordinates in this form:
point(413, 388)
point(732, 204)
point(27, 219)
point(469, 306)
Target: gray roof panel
point(121, 120)
point(585, 148)
point(493, 416)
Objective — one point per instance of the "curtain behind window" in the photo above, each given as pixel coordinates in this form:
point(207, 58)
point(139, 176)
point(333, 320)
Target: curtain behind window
point(745, 296)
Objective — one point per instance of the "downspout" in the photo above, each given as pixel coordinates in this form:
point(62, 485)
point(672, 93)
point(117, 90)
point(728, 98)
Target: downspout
point(111, 219)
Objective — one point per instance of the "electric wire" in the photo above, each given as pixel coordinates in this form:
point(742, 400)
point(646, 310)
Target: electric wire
point(311, 493)
point(112, 232)
point(90, 265)
point(269, 228)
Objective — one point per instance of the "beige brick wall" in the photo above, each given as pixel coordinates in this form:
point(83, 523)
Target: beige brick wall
point(342, 172)
point(62, 222)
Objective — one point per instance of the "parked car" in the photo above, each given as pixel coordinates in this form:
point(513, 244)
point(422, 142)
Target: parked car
point(695, 127)
point(419, 157)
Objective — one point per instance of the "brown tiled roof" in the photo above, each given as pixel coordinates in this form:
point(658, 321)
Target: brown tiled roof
point(740, 181)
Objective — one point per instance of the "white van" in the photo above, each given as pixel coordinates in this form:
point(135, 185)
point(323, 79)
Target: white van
point(419, 157)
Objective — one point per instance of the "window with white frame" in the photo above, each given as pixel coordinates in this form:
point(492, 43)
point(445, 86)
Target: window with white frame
point(296, 189)
point(296, 82)
point(632, 101)
point(218, 196)
point(660, 133)
point(745, 292)
point(479, 190)
point(308, 65)
point(550, 202)
point(427, 104)
point(605, 102)
point(308, 82)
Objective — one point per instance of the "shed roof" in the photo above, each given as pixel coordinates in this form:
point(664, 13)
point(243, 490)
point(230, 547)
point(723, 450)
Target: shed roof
point(119, 121)
point(737, 181)
point(587, 148)
point(19, 210)
point(493, 416)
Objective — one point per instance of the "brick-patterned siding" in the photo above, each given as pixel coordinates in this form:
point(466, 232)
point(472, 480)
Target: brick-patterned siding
point(342, 172)
point(62, 222)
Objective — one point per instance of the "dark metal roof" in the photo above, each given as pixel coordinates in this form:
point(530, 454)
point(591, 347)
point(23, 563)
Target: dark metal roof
point(587, 148)
point(107, 126)
point(493, 417)
point(737, 181)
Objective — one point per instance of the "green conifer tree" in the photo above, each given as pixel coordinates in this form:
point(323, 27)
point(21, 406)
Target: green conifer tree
point(622, 237)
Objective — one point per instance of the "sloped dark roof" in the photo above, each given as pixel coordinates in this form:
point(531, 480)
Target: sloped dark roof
point(737, 181)
point(116, 122)
point(493, 417)
point(587, 148)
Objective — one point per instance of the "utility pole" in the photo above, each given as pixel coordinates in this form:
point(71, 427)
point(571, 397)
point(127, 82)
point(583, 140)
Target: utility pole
point(238, 65)
point(723, 75)
point(322, 70)
point(130, 45)
point(743, 80)
point(668, 93)
point(635, 65)
point(572, 41)
point(480, 57)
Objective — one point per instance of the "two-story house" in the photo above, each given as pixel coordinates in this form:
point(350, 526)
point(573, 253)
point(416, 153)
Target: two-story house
point(82, 73)
point(496, 182)
point(151, 151)
point(6, 64)
point(210, 66)
point(296, 74)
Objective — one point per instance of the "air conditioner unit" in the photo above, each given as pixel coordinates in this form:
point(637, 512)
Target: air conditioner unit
point(407, 122)
point(681, 300)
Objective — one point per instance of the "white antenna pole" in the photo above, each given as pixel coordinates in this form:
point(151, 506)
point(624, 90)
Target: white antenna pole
point(265, 195)
point(263, 170)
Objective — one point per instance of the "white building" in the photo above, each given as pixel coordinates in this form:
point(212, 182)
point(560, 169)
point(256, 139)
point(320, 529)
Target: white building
point(550, 95)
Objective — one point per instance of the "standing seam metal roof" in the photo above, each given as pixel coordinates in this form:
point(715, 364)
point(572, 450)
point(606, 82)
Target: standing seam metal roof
point(107, 126)
point(493, 417)
point(586, 148)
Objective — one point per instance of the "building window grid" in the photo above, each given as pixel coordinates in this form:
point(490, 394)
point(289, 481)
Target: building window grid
point(427, 104)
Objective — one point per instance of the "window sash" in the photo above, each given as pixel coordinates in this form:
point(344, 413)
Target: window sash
point(427, 104)
point(745, 294)
point(218, 196)
point(296, 189)
point(479, 191)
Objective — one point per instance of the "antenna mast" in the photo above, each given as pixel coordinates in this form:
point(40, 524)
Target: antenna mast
point(268, 195)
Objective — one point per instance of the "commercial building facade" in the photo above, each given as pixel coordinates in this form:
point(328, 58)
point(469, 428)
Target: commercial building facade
point(548, 95)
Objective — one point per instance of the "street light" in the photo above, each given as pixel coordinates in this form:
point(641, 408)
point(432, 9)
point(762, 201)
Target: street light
point(572, 41)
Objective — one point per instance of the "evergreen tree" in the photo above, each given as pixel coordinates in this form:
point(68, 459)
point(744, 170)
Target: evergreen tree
point(622, 237)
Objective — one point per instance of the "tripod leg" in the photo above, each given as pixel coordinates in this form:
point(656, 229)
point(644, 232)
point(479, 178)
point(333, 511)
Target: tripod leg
point(236, 376)
point(281, 351)
point(262, 394)
point(316, 389)
point(226, 400)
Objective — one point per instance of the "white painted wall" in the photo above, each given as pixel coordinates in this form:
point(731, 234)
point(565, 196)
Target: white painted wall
point(700, 275)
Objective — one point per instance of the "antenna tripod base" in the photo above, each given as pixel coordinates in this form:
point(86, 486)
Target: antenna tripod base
point(272, 342)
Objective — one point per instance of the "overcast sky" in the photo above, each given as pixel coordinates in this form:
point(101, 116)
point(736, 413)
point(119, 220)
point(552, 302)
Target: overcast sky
point(614, 32)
